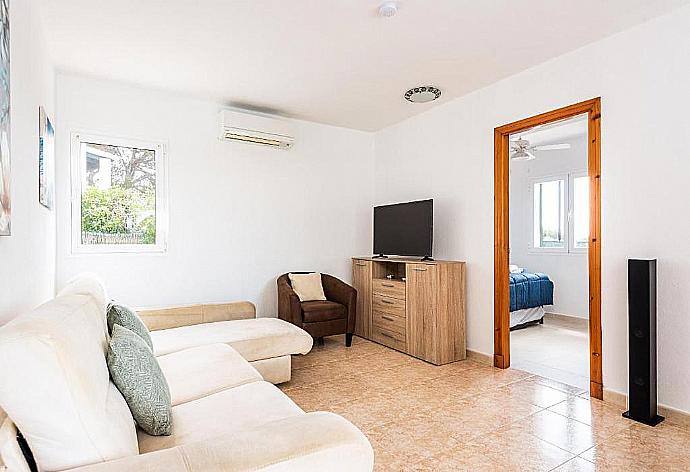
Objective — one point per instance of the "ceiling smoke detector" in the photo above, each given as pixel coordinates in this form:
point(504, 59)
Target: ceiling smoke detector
point(424, 94)
point(388, 9)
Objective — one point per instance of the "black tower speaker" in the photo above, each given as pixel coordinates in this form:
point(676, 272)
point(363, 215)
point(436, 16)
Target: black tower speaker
point(642, 342)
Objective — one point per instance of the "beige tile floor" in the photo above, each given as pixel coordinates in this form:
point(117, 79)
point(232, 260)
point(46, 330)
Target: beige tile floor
point(557, 349)
point(473, 417)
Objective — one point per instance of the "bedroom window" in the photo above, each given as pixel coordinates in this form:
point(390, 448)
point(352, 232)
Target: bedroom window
point(580, 212)
point(118, 195)
point(561, 213)
point(549, 214)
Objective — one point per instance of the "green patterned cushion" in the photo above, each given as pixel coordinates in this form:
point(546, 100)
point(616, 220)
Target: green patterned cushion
point(127, 318)
point(136, 373)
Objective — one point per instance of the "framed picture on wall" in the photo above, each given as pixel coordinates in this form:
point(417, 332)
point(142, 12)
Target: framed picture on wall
point(5, 195)
point(46, 160)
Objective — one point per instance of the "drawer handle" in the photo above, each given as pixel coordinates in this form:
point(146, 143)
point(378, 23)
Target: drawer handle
point(388, 318)
point(386, 335)
point(388, 285)
point(361, 264)
point(387, 302)
point(418, 269)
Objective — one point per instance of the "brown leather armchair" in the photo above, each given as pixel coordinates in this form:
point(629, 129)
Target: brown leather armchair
point(336, 315)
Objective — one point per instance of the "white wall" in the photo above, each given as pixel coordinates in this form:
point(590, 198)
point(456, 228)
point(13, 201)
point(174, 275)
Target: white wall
point(642, 75)
point(27, 257)
point(240, 215)
point(568, 272)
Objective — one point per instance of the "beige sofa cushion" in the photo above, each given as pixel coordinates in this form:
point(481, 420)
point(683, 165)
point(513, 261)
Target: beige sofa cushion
point(223, 413)
point(55, 384)
point(203, 370)
point(311, 442)
point(260, 338)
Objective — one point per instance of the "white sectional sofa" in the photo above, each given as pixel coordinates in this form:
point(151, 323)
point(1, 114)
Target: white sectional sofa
point(55, 387)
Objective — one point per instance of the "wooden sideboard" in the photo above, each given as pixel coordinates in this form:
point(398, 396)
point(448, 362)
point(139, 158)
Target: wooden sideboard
point(419, 311)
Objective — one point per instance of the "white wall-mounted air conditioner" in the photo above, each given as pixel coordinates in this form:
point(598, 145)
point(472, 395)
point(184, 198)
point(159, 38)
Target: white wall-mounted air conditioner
point(256, 129)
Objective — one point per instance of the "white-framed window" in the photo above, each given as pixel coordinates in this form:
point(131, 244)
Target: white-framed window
point(560, 213)
point(119, 194)
point(579, 212)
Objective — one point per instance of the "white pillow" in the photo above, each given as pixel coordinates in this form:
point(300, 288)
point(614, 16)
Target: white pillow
point(307, 286)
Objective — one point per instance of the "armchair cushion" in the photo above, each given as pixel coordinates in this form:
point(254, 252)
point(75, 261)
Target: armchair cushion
point(308, 287)
point(322, 311)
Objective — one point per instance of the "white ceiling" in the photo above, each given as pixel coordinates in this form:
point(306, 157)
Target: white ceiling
point(330, 61)
point(555, 133)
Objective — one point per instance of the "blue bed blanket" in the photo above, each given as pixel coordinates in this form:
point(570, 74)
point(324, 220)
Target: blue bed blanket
point(528, 290)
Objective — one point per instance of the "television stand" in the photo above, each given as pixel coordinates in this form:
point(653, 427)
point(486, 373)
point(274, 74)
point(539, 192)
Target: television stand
point(427, 258)
point(420, 311)
point(380, 256)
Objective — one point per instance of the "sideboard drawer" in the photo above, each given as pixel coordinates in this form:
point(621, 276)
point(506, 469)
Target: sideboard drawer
point(388, 337)
point(390, 322)
point(389, 288)
point(394, 306)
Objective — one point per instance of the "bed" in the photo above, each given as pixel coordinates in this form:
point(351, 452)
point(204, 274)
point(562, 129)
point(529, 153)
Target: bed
point(529, 292)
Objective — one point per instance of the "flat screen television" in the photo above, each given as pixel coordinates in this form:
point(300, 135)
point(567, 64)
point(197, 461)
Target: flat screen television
point(404, 229)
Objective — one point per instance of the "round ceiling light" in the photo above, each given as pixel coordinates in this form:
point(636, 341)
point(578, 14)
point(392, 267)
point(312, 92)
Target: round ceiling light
point(388, 9)
point(424, 94)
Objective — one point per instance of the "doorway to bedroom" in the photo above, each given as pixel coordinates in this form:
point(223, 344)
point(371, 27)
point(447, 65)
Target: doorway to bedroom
point(549, 228)
point(547, 279)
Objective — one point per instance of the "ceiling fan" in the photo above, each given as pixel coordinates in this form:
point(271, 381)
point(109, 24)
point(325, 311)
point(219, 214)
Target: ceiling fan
point(522, 150)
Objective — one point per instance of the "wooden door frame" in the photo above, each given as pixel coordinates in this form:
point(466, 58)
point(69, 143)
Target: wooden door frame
point(501, 232)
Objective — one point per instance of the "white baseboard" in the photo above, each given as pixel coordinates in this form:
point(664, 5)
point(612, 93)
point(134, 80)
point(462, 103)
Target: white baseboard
point(566, 317)
point(480, 357)
point(672, 415)
point(615, 398)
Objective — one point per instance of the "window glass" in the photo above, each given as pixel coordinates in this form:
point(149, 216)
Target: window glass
point(580, 211)
point(118, 187)
point(549, 214)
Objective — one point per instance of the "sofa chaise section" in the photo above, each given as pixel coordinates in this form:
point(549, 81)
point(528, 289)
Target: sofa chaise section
point(267, 343)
